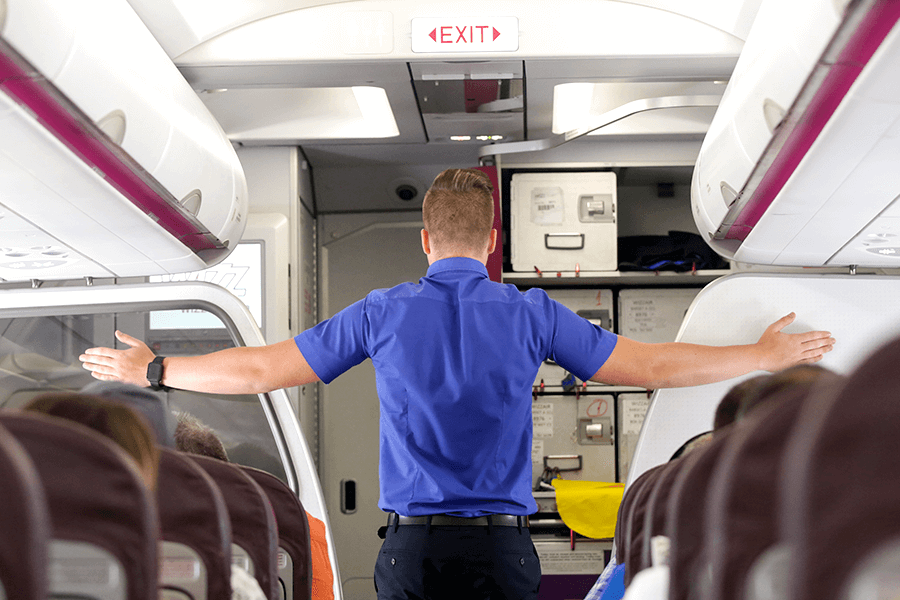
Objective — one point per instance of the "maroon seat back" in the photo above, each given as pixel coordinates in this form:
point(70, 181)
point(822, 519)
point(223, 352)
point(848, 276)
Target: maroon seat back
point(253, 525)
point(634, 521)
point(193, 512)
point(655, 513)
point(684, 515)
point(95, 494)
point(742, 515)
point(293, 534)
point(25, 523)
point(840, 497)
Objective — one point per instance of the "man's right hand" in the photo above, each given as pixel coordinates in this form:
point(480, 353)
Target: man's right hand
point(127, 366)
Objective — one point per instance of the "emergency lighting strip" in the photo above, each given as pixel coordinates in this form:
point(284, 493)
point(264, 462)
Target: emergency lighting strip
point(62, 118)
point(861, 34)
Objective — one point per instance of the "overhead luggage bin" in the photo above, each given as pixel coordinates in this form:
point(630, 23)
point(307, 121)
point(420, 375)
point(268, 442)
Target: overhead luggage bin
point(797, 167)
point(111, 165)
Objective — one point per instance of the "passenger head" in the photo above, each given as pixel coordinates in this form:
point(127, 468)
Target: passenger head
point(730, 405)
point(698, 441)
point(799, 377)
point(458, 212)
point(195, 437)
point(151, 405)
point(118, 422)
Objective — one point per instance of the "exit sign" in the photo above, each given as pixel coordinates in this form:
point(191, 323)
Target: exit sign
point(465, 34)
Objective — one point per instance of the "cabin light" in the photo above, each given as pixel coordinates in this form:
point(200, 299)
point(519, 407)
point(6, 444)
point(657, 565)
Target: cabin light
point(581, 104)
point(376, 111)
point(483, 138)
point(214, 91)
point(460, 138)
point(324, 113)
point(571, 105)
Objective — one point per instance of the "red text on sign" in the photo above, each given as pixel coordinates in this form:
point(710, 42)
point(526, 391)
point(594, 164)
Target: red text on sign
point(469, 34)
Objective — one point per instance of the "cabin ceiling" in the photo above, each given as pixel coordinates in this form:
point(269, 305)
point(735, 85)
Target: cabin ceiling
point(317, 74)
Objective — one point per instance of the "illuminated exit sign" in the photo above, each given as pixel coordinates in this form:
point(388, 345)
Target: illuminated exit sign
point(465, 34)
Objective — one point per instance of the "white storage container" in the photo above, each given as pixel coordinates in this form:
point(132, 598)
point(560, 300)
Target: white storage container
point(563, 222)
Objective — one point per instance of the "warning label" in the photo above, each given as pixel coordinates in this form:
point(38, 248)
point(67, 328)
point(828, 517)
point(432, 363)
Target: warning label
point(542, 416)
point(568, 562)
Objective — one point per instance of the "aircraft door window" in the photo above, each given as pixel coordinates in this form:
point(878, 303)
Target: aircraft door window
point(40, 354)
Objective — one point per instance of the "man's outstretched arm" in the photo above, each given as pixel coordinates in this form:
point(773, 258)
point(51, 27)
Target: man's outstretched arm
point(655, 366)
point(244, 370)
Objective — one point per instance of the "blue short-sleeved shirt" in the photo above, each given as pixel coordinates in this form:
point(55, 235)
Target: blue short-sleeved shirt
point(455, 358)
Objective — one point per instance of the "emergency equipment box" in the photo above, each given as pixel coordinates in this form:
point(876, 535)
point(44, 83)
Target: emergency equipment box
point(654, 315)
point(563, 222)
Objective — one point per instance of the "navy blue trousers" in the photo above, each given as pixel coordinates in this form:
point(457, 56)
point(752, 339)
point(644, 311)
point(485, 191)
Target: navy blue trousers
point(453, 563)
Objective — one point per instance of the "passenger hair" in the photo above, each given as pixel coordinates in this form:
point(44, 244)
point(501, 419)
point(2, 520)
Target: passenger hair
point(195, 437)
point(152, 405)
point(117, 421)
point(730, 405)
point(799, 377)
point(458, 211)
point(698, 441)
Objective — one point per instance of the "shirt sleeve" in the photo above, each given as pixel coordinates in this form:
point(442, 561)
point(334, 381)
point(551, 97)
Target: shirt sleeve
point(336, 344)
point(578, 345)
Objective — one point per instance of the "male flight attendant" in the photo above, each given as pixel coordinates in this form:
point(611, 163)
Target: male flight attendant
point(455, 357)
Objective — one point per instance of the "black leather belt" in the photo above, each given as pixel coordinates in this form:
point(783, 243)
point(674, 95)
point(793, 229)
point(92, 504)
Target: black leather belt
point(450, 521)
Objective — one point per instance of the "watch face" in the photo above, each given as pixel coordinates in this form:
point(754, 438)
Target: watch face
point(154, 373)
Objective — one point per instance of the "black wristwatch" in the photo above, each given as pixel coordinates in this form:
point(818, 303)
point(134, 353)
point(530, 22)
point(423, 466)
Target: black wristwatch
point(155, 373)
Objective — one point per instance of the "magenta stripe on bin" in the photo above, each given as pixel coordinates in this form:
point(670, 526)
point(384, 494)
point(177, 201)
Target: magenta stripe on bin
point(867, 38)
point(84, 139)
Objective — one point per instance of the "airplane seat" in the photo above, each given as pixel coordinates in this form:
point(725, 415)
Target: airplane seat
point(25, 523)
point(294, 552)
point(254, 532)
point(195, 546)
point(634, 520)
point(655, 515)
point(741, 520)
point(877, 576)
point(840, 499)
point(769, 575)
point(103, 518)
point(684, 517)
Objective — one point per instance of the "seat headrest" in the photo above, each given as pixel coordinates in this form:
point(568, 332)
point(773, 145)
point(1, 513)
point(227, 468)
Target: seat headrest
point(840, 476)
point(24, 521)
point(95, 493)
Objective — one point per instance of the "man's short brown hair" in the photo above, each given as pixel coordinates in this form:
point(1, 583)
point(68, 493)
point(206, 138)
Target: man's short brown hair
point(195, 437)
point(458, 210)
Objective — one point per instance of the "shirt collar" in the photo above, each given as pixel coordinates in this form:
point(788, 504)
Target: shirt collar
point(457, 263)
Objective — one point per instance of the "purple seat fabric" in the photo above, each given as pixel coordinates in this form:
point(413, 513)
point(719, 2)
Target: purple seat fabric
point(192, 512)
point(25, 523)
point(655, 513)
point(293, 529)
point(253, 525)
point(742, 516)
point(95, 494)
point(840, 497)
point(625, 511)
point(634, 521)
point(684, 515)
